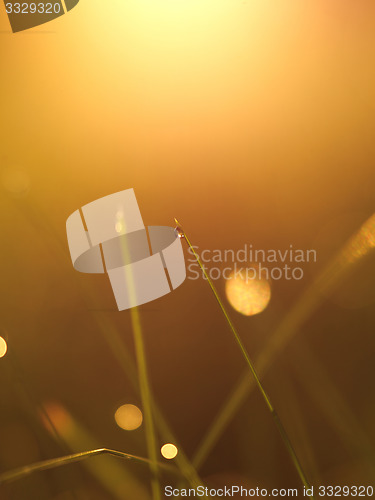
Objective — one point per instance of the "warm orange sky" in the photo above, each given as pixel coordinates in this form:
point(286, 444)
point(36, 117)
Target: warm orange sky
point(259, 99)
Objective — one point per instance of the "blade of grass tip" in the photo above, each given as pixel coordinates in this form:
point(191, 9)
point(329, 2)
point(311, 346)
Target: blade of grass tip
point(359, 245)
point(279, 425)
point(21, 472)
point(142, 371)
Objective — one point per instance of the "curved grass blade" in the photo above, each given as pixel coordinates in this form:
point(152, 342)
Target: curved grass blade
point(53, 463)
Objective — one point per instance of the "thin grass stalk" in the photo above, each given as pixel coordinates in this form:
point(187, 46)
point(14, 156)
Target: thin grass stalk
point(144, 384)
point(146, 401)
point(282, 335)
point(54, 463)
point(279, 425)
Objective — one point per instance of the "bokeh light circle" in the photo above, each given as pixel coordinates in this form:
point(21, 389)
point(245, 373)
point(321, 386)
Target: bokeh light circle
point(247, 292)
point(128, 417)
point(169, 451)
point(3, 347)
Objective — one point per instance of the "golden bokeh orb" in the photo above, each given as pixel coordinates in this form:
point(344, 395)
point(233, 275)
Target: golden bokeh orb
point(247, 292)
point(3, 347)
point(169, 451)
point(128, 417)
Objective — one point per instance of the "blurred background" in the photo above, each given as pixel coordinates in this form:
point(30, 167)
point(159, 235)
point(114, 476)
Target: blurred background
point(253, 123)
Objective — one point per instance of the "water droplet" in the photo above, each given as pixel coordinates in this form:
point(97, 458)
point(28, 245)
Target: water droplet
point(178, 231)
